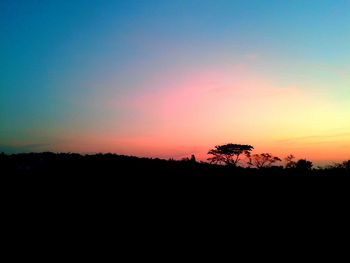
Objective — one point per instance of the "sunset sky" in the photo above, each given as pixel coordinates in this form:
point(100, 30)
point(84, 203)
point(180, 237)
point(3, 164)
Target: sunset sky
point(171, 78)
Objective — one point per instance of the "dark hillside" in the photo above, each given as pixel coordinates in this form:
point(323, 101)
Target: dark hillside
point(121, 166)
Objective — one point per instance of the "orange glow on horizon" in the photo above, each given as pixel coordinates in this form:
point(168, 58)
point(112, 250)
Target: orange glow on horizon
point(234, 105)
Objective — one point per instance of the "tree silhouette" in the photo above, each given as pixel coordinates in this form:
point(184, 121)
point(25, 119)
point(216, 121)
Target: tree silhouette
point(192, 159)
point(229, 153)
point(346, 165)
point(290, 163)
point(303, 165)
point(263, 160)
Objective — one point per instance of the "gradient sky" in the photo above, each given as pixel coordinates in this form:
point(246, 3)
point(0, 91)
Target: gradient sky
point(173, 78)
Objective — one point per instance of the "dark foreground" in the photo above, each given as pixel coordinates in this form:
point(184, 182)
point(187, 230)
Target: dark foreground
point(107, 182)
point(120, 166)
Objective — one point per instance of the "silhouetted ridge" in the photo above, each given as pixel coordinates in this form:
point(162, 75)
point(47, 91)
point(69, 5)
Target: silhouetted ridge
point(127, 166)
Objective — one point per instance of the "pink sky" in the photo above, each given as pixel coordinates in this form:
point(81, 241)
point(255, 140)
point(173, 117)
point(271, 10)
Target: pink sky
point(191, 114)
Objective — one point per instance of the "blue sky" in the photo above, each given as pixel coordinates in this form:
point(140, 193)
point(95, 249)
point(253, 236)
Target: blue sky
point(62, 61)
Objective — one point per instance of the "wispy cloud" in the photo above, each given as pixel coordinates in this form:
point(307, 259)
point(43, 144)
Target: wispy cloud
point(316, 137)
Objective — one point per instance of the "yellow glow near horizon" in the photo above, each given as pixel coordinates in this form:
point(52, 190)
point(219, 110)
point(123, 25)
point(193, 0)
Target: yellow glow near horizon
point(230, 105)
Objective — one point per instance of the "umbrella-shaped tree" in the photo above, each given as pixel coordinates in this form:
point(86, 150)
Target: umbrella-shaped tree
point(229, 154)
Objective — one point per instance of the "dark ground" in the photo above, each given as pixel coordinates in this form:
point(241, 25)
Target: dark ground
point(126, 167)
point(71, 191)
point(110, 174)
point(110, 177)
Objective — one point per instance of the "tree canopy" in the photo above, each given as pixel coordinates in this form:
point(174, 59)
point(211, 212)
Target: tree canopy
point(304, 165)
point(264, 160)
point(229, 154)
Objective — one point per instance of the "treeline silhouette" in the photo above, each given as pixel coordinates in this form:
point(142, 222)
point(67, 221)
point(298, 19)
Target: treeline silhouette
point(101, 179)
point(229, 160)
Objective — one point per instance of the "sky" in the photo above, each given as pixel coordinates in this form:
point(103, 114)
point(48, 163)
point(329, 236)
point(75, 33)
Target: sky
point(171, 78)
